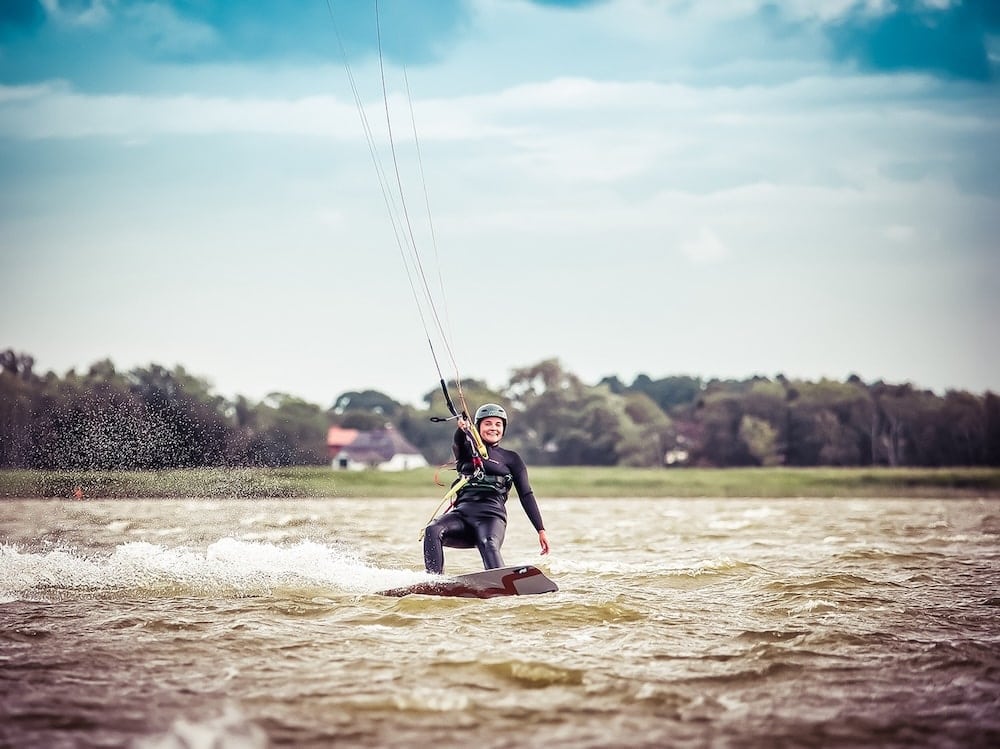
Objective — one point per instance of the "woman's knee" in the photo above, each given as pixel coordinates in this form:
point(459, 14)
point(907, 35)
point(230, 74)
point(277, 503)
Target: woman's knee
point(491, 542)
point(436, 528)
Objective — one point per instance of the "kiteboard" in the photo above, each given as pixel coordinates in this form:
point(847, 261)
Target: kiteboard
point(524, 580)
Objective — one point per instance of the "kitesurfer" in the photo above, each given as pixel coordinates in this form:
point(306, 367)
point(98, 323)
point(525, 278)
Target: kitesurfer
point(478, 518)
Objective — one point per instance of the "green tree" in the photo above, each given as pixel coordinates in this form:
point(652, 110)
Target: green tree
point(764, 426)
point(95, 421)
point(761, 439)
point(720, 415)
point(648, 435)
point(288, 431)
point(369, 401)
point(991, 429)
point(898, 408)
point(570, 423)
point(960, 431)
point(671, 394)
point(19, 389)
point(829, 423)
point(191, 421)
point(153, 417)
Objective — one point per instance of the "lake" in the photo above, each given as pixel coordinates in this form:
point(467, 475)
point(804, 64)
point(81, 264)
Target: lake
point(686, 623)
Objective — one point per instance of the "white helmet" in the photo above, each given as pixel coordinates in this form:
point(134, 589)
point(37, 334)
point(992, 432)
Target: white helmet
point(491, 409)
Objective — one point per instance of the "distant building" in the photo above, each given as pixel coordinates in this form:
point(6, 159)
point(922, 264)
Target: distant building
point(379, 449)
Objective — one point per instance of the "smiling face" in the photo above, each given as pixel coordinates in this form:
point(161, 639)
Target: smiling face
point(491, 429)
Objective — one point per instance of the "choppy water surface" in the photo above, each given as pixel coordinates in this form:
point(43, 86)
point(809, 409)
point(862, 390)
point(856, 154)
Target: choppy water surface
point(164, 623)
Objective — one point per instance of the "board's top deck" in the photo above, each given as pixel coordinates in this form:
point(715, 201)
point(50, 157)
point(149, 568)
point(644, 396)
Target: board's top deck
point(520, 580)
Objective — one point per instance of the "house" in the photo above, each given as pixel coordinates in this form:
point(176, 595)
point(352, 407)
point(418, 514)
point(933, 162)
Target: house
point(381, 449)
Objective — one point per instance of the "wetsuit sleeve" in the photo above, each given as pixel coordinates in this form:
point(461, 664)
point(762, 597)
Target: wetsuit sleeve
point(524, 492)
point(461, 449)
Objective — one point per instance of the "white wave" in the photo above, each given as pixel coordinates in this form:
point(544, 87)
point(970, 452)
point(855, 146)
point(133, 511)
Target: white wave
point(429, 699)
point(814, 607)
point(231, 729)
point(228, 566)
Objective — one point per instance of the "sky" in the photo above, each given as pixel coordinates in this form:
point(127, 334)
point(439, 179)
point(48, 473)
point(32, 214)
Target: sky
point(662, 187)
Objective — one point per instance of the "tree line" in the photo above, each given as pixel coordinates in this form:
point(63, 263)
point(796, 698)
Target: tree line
point(153, 417)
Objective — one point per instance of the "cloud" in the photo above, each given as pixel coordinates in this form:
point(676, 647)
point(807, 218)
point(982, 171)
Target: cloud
point(706, 248)
point(51, 31)
point(84, 14)
point(573, 132)
point(56, 111)
point(160, 29)
point(573, 4)
point(106, 45)
point(951, 39)
point(900, 233)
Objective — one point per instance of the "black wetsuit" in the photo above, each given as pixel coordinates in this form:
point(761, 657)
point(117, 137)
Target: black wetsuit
point(479, 516)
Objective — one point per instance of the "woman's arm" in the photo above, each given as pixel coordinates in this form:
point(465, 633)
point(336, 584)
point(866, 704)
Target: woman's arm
point(462, 444)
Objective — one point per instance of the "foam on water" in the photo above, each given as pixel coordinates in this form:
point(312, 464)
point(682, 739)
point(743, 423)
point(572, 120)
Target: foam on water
point(667, 567)
point(229, 566)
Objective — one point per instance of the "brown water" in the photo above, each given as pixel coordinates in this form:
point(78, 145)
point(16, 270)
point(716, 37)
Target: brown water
point(728, 623)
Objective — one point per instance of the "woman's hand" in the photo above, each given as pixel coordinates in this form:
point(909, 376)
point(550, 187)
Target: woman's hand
point(543, 541)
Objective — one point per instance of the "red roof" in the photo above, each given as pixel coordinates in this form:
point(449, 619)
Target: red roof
point(337, 437)
point(372, 447)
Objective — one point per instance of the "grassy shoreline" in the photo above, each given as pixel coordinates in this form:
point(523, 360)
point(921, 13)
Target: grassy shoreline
point(321, 482)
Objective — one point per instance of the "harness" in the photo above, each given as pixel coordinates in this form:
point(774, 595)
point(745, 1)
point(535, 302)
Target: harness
point(480, 485)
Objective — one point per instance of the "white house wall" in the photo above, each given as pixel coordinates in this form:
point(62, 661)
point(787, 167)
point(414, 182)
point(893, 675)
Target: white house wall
point(403, 463)
point(396, 463)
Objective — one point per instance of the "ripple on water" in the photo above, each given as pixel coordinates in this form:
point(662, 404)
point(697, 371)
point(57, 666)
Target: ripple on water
point(848, 624)
point(534, 675)
point(805, 583)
